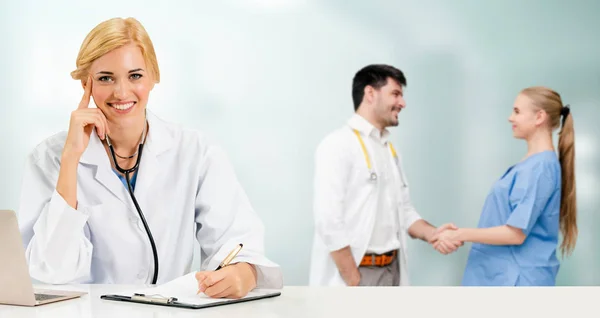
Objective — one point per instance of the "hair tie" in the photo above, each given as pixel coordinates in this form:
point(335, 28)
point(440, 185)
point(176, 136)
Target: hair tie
point(564, 112)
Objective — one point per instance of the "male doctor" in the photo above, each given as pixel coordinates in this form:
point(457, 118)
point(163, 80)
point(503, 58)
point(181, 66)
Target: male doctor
point(363, 213)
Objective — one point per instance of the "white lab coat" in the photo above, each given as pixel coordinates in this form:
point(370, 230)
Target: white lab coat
point(345, 203)
point(187, 190)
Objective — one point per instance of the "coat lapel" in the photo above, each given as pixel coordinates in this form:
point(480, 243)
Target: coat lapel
point(95, 155)
point(159, 139)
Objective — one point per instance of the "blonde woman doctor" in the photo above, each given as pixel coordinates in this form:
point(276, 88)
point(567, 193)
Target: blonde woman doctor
point(81, 224)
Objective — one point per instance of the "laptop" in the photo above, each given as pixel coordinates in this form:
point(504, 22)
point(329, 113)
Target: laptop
point(16, 287)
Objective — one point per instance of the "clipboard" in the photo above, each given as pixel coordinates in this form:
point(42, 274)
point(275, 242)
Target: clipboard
point(182, 293)
point(173, 302)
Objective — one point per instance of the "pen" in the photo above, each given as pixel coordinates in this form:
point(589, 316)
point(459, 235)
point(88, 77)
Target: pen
point(230, 257)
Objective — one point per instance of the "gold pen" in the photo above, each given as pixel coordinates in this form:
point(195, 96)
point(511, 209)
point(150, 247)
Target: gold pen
point(230, 257)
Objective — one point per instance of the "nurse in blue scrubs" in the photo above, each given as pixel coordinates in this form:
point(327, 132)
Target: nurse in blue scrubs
point(516, 241)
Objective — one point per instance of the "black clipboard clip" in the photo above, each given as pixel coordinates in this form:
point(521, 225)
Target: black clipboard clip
point(154, 298)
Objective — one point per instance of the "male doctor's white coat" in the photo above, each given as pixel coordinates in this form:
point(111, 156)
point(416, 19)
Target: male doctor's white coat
point(186, 189)
point(345, 202)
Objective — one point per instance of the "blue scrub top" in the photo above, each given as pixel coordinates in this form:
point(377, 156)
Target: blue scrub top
point(124, 181)
point(527, 196)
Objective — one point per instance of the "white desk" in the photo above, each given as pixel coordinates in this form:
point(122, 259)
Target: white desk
point(380, 302)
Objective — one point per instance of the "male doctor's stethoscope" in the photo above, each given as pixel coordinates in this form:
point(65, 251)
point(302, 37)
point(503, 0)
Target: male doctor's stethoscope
point(372, 173)
point(127, 173)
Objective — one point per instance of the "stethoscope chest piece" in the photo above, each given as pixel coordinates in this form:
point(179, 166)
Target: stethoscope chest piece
point(373, 176)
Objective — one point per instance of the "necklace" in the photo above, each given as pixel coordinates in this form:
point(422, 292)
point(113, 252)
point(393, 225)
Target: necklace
point(142, 139)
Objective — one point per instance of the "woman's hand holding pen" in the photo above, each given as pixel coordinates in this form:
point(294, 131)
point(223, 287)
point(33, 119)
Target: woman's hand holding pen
point(232, 281)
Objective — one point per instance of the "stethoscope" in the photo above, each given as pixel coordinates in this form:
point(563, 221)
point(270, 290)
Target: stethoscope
point(372, 174)
point(127, 173)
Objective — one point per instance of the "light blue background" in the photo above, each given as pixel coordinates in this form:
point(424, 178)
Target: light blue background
point(269, 79)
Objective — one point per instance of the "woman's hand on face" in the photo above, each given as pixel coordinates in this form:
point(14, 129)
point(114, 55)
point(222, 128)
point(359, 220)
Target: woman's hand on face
point(83, 120)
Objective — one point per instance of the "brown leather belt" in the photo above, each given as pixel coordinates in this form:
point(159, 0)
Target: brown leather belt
point(378, 260)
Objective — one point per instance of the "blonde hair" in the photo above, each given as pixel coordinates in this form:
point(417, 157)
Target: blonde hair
point(551, 102)
point(113, 34)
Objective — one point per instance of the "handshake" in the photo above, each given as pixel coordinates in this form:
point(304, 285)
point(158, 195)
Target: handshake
point(445, 239)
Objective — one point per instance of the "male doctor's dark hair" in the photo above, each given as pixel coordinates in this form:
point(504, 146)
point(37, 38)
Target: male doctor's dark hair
point(376, 76)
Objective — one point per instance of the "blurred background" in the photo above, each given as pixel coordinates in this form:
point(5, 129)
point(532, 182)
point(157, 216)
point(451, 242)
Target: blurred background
point(270, 78)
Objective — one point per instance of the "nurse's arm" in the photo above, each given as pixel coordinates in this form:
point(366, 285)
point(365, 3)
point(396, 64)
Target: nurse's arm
point(498, 235)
